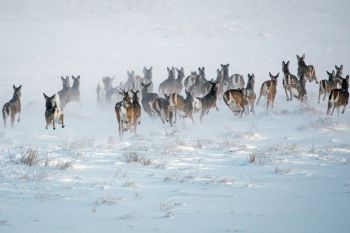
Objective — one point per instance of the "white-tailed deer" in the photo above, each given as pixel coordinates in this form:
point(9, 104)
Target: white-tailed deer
point(189, 80)
point(209, 100)
point(166, 87)
point(289, 80)
point(13, 107)
point(249, 94)
point(339, 97)
point(64, 93)
point(147, 78)
point(133, 111)
point(75, 90)
point(201, 85)
point(235, 101)
point(163, 109)
point(308, 71)
point(268, 89)
point(237, 81)
point(53, 111)
point(147, 99)
point(326, 86)
point(338, 79)
point(121, 113)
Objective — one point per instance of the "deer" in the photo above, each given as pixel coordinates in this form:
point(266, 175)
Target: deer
point(225, 76)
point(53, 111)
point(106, 93)
point(249, 94)
point(147, 78)
point(201, 85)
point(120, 111)
point(166, 86)
point(289, 80)
point(338, 76)
point(13, 107)
point(209, 100)
point(268, 89)
point(64, 93)
point(133, 111)
point(235, 101)
point(221, 82)
point(327, 85)
point(339, 97)
point(147, 99)
point(237, 81)
point(162, 107)
point(307, 71)
point(189, 80)
point(75, 89)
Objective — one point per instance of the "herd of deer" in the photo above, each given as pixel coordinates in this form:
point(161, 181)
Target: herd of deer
point(201, 94)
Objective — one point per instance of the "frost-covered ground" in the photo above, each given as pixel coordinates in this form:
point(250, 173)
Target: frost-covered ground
point(287, 170)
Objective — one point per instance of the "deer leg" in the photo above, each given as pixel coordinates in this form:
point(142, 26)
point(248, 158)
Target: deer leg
point(12, 119)
point(19, 117)
point(342, 112)
point(329, 107)
point(53, 123)
point(285, 89)
point(267, 105)
point(333, 108)
point(258, 100)
point(62, 120)
point(290, 94)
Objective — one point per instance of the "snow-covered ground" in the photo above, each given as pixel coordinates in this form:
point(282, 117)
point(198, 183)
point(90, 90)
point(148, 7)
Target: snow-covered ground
point(287, 170)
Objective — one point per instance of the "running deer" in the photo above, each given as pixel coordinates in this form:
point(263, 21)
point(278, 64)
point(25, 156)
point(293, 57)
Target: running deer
point(147, 78)
point(209, 100)
point(249, 94)
point(235, 101)
point(53, 111)
point(201, 85)
point(307, 71)
point(147, 99)
point(176, 102)
point(268, 89)
point(75, 90)
point(166, 87)
point(222, 83)
point(13, 107)
point(133, 111)
point(163, 109)
point(189, 80)
point(237, 81)
point(64, 94)
point(121, 113)
point(327, 85)
point(225, 76)
point(339, 97)
point(289, 80)
point(338, 79)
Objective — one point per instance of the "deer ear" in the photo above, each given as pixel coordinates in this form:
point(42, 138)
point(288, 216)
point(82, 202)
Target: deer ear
point(278, 74)
point(45, 96)
point(333, 72)
point(287, 63)
point(336, 67)
point(20, 87)
point(78, 77)
point(168, 69)
point(303, 57)
point(14, 87)
point(270, 75)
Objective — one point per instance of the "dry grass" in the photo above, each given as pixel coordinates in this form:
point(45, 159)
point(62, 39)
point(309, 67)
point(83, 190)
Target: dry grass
point(30, 157)
point(134, 157)
point(252, 158)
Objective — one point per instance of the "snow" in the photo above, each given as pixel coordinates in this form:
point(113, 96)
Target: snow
point(286, 170)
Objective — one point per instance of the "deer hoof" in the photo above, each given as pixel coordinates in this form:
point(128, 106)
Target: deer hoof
point(63, 126)
point(54, 128)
